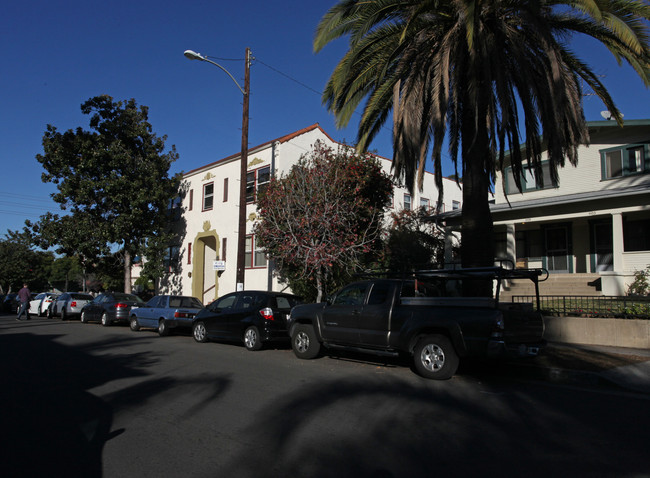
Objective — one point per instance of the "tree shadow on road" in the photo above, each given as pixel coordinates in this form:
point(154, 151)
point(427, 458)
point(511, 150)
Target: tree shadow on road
point(50, 423)
point(377, 427)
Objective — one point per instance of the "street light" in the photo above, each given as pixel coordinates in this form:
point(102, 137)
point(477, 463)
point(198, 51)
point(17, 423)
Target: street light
point(241, 238)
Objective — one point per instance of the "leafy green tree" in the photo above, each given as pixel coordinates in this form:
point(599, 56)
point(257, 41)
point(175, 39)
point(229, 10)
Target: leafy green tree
point(67, 274)
point(477, 73)
point(413, 243)
point(20, 263)
point(322, 219)
point(74, 237)
point(114, 179)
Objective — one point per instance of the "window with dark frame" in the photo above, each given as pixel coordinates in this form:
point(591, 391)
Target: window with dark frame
point(528, 180)
point(225, 189)
point(208, 196)
point(625, 160)
point(254, 255)
point(636, 235)
point(257, 181)
point(407, 202)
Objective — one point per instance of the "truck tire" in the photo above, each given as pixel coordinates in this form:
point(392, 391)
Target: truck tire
point(304, 342)
point(435, 357)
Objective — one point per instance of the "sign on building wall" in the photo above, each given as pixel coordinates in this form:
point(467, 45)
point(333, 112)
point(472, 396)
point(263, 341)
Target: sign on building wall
point(219, 265)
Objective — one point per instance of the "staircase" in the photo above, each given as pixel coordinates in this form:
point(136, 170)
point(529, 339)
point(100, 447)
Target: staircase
point(556, 284)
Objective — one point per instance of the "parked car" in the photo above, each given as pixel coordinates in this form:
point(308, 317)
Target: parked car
point(253, 317)
point(165, 312)
point(425, 318)
point(35, 303)
point(10, 303)
point(110, 307)
point(69, 304)
point(46, 302)
point(32, 304)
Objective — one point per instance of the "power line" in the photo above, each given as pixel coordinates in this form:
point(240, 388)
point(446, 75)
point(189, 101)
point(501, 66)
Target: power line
point(319, 93)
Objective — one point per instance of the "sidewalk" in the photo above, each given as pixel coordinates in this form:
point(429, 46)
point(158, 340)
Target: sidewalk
point(620, 367)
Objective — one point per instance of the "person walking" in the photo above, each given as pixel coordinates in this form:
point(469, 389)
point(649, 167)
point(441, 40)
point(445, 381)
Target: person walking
point(24, 295)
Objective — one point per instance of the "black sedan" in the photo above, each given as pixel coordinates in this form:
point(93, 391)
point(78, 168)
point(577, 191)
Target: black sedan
point(253, 317)
point(110, 307)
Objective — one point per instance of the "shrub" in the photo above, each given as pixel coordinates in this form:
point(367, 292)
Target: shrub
point(641, 284)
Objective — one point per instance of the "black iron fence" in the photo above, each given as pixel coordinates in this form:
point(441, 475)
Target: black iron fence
point(586, 306)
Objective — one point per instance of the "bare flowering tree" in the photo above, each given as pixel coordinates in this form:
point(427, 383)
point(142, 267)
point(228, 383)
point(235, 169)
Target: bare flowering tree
point(325, 215)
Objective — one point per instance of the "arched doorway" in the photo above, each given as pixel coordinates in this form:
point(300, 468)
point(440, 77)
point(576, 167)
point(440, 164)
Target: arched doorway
point(205, 280)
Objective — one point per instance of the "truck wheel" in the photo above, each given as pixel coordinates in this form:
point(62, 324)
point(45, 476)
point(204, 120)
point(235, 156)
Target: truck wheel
point(304, 342)
point(435, 357)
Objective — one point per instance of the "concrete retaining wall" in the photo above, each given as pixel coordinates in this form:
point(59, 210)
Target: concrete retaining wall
point(632, 333)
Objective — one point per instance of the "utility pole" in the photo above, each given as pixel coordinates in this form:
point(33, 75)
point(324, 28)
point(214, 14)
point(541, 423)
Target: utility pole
point(241, 239)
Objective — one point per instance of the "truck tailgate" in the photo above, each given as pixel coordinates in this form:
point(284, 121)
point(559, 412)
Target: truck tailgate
point(523, 326)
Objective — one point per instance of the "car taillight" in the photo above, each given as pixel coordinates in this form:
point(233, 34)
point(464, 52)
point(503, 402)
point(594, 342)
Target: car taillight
point(267, 313)
point(183, 315)
point(73, 303)
point(120, 305)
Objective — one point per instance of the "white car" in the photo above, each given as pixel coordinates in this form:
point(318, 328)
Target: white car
point(45, 304)
point(35, 304)
point(39, 304)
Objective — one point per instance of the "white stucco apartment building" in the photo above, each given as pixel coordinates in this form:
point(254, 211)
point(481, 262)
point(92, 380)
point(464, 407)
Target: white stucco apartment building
point(595, 220)
point(204, 263)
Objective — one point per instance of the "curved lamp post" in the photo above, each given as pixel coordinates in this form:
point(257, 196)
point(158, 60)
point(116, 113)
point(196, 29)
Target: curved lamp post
point(241, 237)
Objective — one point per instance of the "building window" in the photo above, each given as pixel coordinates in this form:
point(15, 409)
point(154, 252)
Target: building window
point(174, 209)
point(528, 181)
point(407, 202)
point(189, 252)
point(208, 196)
point(224, 243)
point(424, 204)
point(254, 255)
point(191, 200)
point(636, 235)
point(455, 205)
point(257, 181)
point(171, 258)
point(225, 189)
point(625, 160)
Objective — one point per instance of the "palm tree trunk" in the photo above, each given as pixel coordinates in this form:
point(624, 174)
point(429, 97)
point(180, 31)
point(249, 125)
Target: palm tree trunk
point(477, 243)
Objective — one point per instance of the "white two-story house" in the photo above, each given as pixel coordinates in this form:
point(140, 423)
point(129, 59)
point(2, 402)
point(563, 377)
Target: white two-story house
point(594, 220)
point(203, 264)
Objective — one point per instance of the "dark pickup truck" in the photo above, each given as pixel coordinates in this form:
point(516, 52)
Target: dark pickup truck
point(423, 316)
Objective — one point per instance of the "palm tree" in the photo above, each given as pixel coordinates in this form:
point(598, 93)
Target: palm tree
point(477, 73)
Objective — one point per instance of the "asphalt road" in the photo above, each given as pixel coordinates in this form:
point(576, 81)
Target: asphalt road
point(86, 400)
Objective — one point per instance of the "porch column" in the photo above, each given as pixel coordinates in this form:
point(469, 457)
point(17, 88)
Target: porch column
point(451, 240)
point(511, 245)
point(617, 242)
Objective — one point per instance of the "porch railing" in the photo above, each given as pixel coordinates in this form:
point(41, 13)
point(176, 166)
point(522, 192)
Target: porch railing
point(591, 306)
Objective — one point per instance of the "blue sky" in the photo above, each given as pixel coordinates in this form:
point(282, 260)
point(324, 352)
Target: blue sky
point(56, 55)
